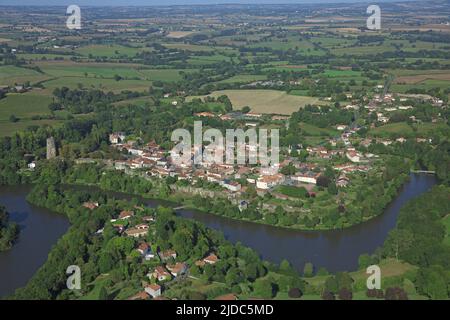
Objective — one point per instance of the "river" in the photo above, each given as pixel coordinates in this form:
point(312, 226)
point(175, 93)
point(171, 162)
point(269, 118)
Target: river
point(39, 231)
point(335, 250)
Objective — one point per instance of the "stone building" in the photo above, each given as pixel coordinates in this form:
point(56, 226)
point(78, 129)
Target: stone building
point(51, 148)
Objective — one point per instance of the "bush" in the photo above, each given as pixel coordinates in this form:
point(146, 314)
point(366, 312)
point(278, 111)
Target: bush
point(395, 293)
point(295, 293)
point(345, 294)
point(327, 295)
point(375, 293)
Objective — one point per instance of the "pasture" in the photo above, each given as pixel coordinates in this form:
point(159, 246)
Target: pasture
point(266, 101)
point(10, 75)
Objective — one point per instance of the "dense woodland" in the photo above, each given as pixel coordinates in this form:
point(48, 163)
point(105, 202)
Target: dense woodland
point(9, 231)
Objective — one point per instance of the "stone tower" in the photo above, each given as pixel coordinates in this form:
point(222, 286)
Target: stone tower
point(51, 148)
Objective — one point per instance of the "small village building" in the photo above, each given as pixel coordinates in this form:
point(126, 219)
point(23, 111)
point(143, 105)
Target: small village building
point(161, 274)
point(177, 269)
point(154, 290)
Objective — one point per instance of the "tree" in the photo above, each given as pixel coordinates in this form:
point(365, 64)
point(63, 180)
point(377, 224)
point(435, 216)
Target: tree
point(364, 261)
point(308, 269)
point(102, 294)
point(332, 189)
point(323, 181)
point(13, 118)
point(232, 277)
point(263, 288)
point(106, 262)
point(433, 282)
point(246, 109)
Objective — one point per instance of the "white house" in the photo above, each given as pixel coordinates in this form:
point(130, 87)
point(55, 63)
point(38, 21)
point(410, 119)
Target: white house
point(153, 289)
point(267, 182)
point(353, 156)
point(232, 185)
point(309, 177)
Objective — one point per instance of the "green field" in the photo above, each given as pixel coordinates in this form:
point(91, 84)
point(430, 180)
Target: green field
point(163, 74)
point(98, 83)
point(310, 130)
point(140, 101)
point(245, 78)
point(92, 70)
point(24, 105)
point(110, 51)
point(403, 129)
point(10, 75)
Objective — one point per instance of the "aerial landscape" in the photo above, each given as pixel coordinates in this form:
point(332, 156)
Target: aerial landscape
point(231, 151)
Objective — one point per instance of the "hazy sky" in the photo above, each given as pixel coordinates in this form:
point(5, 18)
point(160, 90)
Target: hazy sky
point(163, 2)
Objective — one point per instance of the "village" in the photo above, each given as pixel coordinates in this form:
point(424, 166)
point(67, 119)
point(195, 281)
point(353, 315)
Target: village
point(164, 266)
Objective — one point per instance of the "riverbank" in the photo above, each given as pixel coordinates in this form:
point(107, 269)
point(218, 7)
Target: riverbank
point(336, 250)
point(223, 207)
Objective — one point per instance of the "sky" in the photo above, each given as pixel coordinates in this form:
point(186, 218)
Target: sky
point(164, 2)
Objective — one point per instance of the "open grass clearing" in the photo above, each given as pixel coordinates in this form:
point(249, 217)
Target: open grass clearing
point(266, 101)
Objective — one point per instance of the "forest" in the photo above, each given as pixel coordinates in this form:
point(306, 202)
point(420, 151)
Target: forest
point(9, 231)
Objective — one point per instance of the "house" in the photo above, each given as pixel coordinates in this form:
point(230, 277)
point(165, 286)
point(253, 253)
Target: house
point(116, 138)
point(211, 259)
point(174, 103)
point(126, 214)
point(161, 274)
point(226, 297)
point(232, 185)
point(144, 248)
point(90, 205)
point(148, 219)
point(280, 118)
point(342, 182)
point(353, 156)
point(177, 269)
point(153, 290)
point(268, 182)
point(308, 177)
point(32, 165)
point(205, 114)
point(136, 233)
point(142, 226)
point(243, 205)
point(168, 254)
point(143, 295)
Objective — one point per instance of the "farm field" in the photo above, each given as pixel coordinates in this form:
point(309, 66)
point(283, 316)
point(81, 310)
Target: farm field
point(98, 83)
point(266, 101)
point(109, 51)
point(403, 129)
point(311, 130)
point(140, 101)
point(244, 78)
point(10, 75)
point(24, 105)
